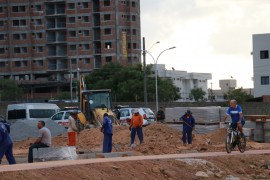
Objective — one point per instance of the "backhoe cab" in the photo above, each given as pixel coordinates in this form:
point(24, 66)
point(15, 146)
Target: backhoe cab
point(94, 103)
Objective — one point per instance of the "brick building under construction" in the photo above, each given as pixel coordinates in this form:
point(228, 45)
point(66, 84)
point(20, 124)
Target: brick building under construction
point(44, 44)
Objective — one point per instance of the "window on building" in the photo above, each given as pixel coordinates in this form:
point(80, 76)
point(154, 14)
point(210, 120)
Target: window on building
point(23, 49)
point(265, 80)
point(86, 61)
point(85, 19)
point(107, 17)
point(37, 7)
point(73, 61)
point(85, 32)
point(129, 45)
point(72, 47)
point(2, 50)
point(71, 5)
point(39, 49)
point(17, 63)
point(264, 54)
point(133, 4)
point(2, 64)
point(85, 5)
point(107, 2)
point(134, 31)
point(38, 22)
point(128, 31)
point(21, 22)
point(2, 37)
point(16, 36)
point(16, 22)
point(108, 45)
point(17, 50)
point(134, 45)
point(23, 36)
point(71, 19)
point(108, 59)
point(1, 23)
point(85, 46)
point(133, 18)
point(39, 35)
point(39, 63)
point(1, 9)
point(72, 33)
point(108, 31)
point(18, 8)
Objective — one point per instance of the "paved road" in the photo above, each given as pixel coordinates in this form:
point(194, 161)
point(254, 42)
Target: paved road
point(50, 164)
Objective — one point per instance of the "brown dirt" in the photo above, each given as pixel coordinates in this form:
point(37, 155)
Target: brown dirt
point(158, 139)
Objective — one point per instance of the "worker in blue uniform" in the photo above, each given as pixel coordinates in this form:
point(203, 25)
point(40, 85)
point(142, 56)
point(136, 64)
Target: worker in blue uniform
point(6, 144)
point(107, 129)
point(188, 126)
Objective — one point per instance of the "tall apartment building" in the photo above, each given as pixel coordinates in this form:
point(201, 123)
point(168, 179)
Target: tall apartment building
point(45, 43)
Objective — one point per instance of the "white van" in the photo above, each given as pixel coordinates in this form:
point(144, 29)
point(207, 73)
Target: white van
point(31, 111)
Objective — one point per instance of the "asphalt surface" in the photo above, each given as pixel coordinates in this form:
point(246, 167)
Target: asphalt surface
point(51, 164)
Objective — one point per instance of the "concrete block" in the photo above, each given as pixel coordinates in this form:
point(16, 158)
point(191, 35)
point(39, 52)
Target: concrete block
point(114, 154)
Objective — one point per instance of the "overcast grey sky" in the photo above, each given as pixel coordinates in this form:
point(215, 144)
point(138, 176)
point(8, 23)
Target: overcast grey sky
point(212, 36)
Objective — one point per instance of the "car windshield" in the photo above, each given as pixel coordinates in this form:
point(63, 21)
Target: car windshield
point(148, 111)
point(100, 100)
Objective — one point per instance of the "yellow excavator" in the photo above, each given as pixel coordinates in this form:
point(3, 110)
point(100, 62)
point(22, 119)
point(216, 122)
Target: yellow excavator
point(93, 105)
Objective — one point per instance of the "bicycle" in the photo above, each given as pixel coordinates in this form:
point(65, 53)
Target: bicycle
point(234, 138)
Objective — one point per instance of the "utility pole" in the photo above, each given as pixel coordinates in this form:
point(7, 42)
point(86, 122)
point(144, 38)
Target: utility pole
point(211, 92)
point(145, 75)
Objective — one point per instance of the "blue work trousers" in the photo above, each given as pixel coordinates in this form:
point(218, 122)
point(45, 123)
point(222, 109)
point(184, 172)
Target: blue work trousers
point(139, 132)
point(7, 151)
point(107, 143)
point(187, 136)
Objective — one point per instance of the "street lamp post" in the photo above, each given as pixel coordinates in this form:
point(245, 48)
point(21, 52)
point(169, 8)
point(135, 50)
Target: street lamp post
point(144, 72)
point(155, 61)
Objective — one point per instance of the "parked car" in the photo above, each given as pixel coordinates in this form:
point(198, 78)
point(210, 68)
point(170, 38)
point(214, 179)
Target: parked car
point(61, 117)
point(126, 115)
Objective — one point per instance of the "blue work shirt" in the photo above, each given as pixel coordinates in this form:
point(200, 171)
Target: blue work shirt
point(189, 122)
point(235, 113)
point(5, 139)
point(107, 125)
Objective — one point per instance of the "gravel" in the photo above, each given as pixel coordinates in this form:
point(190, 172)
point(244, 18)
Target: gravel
point(22, 130)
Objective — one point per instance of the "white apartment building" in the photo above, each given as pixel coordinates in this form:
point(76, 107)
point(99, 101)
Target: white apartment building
point(184, 81)
point(261, 64)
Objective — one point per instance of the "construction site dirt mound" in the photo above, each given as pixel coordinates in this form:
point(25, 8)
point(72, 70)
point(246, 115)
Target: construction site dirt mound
point(158, 139)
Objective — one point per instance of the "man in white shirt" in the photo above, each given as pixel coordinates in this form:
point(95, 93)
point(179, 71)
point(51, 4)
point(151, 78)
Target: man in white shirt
point(72, 128)
point(44, 140)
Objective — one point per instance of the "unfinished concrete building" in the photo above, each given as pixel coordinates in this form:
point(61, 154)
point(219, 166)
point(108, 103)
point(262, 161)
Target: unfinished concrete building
point(44, 44)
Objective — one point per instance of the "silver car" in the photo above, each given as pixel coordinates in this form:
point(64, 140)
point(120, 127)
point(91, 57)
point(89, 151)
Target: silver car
point(126, 115)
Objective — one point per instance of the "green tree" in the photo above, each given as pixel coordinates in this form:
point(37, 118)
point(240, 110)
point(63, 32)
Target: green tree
point(238, 94)
point(127, 83)
point(198, 94)
point(9, 90)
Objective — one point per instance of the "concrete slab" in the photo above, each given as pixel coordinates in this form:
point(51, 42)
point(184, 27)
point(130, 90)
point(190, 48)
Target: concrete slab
point(50, 164)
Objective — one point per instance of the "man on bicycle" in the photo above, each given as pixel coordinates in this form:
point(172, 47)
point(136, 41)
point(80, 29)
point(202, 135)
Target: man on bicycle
point(235, 111)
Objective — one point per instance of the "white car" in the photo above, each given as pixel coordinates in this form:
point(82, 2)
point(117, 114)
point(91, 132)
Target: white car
point(61, 117)
point(126, 114)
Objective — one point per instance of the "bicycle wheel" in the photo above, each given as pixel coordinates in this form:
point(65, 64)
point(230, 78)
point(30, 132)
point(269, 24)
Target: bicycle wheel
point(228, 144)
point(242, 144)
